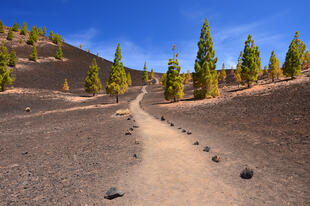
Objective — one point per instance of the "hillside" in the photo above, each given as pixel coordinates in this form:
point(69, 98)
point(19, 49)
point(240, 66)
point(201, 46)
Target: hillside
point(49, 73)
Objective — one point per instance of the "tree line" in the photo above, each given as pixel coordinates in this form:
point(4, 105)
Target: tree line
point(206, 78)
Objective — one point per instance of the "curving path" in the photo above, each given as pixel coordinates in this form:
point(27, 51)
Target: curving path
point(172, 171)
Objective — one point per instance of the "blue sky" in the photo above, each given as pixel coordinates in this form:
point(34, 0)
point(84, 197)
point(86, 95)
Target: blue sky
point(147, 30)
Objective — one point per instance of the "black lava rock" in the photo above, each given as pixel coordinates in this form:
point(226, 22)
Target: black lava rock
point(206, 149)
point(196, 143)
point(128, 118)
point(130, 129)
point(135, 126)
point(247, 173)
point(135, 155)
point(128, 133)
point(189, 132)
point(162, 118)
point(216, 159)
point(112, 193)
point(171, 124)
point(183, 130)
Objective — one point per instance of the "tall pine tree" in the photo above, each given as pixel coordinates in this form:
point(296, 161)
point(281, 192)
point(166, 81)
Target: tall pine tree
point(12, 58)
point(10, 35)
point(145, 76)
point(15, 26)
point(6, 77)
point(24, 29)
point(174, 82)
point(274, 66)
point(250, 62)
point(205, 78)
point(117, 83)
point(92, 82)
point(33, 36)
point(152, 74)
point(59, 54)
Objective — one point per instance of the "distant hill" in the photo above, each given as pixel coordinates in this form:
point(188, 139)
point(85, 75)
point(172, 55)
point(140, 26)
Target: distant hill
point(49, 73)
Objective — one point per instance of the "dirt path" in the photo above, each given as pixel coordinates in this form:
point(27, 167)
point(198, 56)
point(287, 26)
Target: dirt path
point(172, 171)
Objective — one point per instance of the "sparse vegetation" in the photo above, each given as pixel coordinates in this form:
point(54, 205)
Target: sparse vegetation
point(174, 81)
point(205, 78)
point(81, 45)
point(6, 77)
point(92, 82)
point(65, 88)
point(117, 83)
point(56, 39)
point(12, 58)
point(145, 76)
point(250, 62)
point(24, 30)
point(44, 30)
point(40, 32)
point(163, 80)
point(51, 35)
point(129, 81)
point(237, 75)
point(34, 55)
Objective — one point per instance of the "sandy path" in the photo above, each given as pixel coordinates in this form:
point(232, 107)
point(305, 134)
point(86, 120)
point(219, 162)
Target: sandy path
point(172, 171)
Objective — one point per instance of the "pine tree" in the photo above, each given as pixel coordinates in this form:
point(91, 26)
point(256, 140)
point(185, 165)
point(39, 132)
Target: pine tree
point(222, 75)
point(129, 81)
point(33, 36)
point(292, 64)
point(300, 45)
point(145, 76)
point(5, 73)
point(174, 82)
point(205, 78)
point(265, 70)
point(274, 66)
point(65, 88)
point(56, 39)
point(92, 82)
point(10, 35)
point(81, 46)
point(44, 30)
point(250, 62)
point(163, 80)
point(59, 54)
point(306, 60)
point(188, 77)
point(24, 30)
point(34, 55)
point(238, 70)
point(15, 26)
point(12, 58)
point(1, 27)
point(51, 35)
point(40, 31)
point(280, 71)
point(232, 71)
point(152, 74)
point(117, 83)
point(183, 76)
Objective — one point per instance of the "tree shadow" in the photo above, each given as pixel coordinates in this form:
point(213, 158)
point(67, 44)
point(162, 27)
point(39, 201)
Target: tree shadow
point(238, 89)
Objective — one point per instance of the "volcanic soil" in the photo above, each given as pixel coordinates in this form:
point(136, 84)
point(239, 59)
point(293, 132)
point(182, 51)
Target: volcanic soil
point(265, 128)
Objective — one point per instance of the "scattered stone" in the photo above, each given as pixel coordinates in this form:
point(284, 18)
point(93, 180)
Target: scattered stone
point(130, 129)
point(162, 118)
point(134, 120)
point(180, 128)
point(183, 130)
point(171, 124)
point(135, 126)
point(128, 133)
point(216, 158)
point(24, 153)
point(206, 149)
point(137, 141)
point(247, 173)
point(135, 155)
point(128, 118)
point(189, 132)
point(27, 109)
point(112, 193)
point(196, 143)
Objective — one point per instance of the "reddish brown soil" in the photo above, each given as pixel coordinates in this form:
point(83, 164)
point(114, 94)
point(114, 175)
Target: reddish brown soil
point(266, 127)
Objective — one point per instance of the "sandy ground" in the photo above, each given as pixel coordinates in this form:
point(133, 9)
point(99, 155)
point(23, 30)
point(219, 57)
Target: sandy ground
point(172, 171)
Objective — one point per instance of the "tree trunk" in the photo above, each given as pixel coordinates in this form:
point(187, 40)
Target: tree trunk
point(174, 99)
point(94, 94)
point(117, 99)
